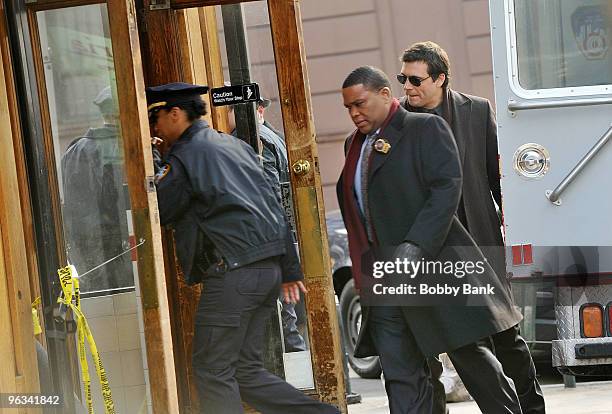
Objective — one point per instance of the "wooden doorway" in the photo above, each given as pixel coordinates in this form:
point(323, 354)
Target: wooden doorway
point(186, 41)
point(83, 114)
point(72, 56)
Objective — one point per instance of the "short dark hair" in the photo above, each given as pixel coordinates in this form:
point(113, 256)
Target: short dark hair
point(371, 77)
point(433, 55)
point(194, 109)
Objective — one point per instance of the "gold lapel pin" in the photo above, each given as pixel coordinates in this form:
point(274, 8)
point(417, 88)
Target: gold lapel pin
point(382, 145)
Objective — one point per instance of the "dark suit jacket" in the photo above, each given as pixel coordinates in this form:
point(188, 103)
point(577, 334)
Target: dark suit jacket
point(413, 193)
point(473, 124)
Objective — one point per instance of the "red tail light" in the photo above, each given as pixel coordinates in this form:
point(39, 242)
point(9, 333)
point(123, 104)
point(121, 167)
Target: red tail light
point(527, 254)
point(517, 255)
point(610, 319)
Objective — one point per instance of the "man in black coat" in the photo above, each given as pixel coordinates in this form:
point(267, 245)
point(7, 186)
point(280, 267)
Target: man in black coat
point(425, 76)
point(231, 234)
point(399, 188)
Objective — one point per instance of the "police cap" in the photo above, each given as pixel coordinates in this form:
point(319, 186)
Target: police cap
point(104, 101)
point(263, 102)
point(173, 94)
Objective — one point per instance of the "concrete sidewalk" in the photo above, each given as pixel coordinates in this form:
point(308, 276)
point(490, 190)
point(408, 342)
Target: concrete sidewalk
point(586, 398)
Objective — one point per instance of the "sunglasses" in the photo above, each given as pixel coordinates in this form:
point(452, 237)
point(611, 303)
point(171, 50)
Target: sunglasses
point(414, 80)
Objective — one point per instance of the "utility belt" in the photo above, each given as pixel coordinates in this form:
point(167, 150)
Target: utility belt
point(216, 264)
point(212, 260)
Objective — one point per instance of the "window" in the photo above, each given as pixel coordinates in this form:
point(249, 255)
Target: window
point(83, 108)
point(563, 43)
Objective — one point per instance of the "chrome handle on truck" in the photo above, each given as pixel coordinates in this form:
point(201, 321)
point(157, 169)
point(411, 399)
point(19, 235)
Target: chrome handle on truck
point(555, 195)
point(514, 105)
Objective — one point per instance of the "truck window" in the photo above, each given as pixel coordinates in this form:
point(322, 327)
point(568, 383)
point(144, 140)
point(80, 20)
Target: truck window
point(563, 43)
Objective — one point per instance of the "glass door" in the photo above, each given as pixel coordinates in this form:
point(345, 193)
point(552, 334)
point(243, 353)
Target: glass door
point(94, 142)
point(81, 89)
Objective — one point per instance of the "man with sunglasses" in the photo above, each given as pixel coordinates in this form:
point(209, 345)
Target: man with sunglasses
point(425, 77)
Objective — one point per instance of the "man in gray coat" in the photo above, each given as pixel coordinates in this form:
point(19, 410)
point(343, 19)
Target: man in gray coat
point(425, 77)
point(399, 189)
point(276, 167)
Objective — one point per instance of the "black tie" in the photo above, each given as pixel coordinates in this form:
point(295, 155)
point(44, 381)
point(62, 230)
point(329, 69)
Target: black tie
point(365, 166)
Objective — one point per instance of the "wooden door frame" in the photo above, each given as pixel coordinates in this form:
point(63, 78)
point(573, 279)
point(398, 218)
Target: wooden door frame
point(17, 344)
point(296, 107)
point(300, 136)
point(143, 201)
point(139, 172)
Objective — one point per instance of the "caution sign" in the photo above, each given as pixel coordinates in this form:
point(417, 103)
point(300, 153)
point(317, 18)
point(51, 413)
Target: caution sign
point(235, 94)
point(69, 281)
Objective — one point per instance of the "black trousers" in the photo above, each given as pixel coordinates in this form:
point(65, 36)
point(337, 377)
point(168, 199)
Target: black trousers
point(513, 354)
point(294, 341)
point(407, 373)
point(228, 345)
point(439, 394)
point(484, 378)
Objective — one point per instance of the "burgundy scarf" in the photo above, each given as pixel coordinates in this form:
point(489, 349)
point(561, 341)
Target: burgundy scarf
point(359, 247)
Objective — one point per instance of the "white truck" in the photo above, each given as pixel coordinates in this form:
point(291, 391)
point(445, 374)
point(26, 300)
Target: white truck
point(552, 67)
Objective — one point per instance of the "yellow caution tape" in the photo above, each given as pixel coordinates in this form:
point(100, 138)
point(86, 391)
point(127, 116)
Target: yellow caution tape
point(35, 319)
point(69, 280)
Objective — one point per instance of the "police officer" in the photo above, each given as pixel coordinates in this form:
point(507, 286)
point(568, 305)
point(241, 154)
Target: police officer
point(276, 168)
point(96, 200)
point(231, 234)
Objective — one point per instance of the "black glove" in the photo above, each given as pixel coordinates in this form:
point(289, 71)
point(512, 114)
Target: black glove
point(408, 251)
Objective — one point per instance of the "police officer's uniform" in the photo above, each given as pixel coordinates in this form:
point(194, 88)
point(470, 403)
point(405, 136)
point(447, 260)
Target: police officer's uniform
point(276, 168)
point(231, 234)
point(95, 203)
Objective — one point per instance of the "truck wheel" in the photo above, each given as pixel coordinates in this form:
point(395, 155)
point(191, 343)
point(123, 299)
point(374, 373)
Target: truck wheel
point(350, 312)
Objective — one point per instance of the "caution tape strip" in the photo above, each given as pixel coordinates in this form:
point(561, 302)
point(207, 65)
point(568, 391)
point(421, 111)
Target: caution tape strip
point(69, 280)
point(35, 318)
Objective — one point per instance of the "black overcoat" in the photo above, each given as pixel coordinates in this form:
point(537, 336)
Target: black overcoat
point(413, 194)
